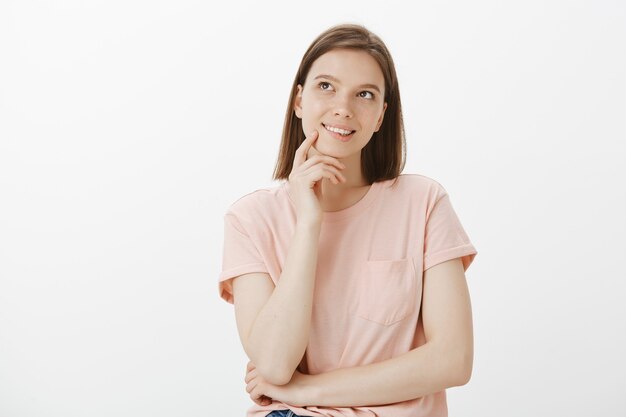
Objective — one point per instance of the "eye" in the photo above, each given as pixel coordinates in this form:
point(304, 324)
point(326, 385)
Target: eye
point(368, 92)
point(323, 83)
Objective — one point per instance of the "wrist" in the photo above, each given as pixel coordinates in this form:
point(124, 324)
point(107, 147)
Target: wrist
point(309, 391)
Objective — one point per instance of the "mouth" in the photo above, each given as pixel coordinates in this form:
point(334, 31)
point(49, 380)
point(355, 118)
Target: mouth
point(341, 134)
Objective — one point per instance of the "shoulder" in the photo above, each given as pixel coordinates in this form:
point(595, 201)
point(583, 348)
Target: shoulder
point(257, 203)
point(420, 186)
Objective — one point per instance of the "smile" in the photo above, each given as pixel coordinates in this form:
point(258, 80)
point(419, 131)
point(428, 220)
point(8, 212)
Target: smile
point(341, 134)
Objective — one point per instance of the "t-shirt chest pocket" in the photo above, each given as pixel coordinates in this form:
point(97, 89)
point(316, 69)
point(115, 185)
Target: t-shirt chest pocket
point(388, 290)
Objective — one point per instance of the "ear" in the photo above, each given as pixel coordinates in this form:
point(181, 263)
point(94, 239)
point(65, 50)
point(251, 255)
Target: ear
point(380, 119)
point(297, 105)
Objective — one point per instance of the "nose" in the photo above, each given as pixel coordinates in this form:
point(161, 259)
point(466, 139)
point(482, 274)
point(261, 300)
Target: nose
point(342, 107)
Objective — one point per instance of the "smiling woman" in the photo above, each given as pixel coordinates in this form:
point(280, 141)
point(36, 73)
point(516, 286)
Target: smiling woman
point(346, 110)
point(348, 279)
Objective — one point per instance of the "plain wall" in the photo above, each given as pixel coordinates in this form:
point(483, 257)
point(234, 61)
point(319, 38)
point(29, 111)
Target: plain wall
point(127, 128)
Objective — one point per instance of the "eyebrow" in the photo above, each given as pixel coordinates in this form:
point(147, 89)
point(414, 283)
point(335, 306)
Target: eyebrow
point(330, 77)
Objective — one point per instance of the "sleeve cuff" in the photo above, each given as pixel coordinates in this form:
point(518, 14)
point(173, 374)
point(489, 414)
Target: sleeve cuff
point(225, 283)
point(466, 252)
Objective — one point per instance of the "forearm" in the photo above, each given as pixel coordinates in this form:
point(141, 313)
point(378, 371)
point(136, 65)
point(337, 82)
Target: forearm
point(421, 371)
point(280, 333)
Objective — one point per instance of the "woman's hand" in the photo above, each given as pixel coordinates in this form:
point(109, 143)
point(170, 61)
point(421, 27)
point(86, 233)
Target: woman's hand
point(262, 392)
point(256, 385)
point(306, 177)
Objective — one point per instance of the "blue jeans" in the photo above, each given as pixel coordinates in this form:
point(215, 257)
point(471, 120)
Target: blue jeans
point(282, 413)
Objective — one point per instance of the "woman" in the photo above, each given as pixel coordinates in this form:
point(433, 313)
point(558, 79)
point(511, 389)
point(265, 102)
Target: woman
point(348, 279)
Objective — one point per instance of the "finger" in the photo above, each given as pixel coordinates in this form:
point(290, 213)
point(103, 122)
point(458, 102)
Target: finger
point(316, 159)
point(336, 172)
point(251, 385)
point(317, 172)
point(303, 150)
point(263, 400)
point(251, 375)
point(253, 389)
point(256, 395)
point(259, 401)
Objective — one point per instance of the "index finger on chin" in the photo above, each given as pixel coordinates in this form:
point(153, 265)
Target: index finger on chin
point(303, 150)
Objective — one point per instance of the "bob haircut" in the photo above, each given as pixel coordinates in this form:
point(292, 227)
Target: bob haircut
point(384, 155)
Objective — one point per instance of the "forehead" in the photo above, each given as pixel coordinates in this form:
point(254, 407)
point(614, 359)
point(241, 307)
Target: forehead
point(351, 67)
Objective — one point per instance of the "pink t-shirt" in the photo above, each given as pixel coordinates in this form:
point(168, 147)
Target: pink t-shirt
point(368, 284)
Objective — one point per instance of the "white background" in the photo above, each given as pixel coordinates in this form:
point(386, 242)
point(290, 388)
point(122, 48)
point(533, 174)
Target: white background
point(128, 127)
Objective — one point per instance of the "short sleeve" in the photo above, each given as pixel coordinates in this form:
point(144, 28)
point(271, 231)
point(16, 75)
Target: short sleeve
point(240, 256)
point(445, 237)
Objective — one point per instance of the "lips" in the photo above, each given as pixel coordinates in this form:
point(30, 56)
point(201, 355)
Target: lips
point(342, 138)
point(337, 126)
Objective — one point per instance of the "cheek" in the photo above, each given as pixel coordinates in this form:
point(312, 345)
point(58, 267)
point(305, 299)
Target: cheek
point(371, 116)
point(311, 102)
point(312, 110)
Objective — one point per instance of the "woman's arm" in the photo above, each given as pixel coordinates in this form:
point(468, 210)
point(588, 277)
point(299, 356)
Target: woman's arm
point(274, 329)
point(444, 361)
point(274, 323)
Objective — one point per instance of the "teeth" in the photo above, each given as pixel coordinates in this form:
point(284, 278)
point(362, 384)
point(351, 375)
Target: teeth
point(336, 130)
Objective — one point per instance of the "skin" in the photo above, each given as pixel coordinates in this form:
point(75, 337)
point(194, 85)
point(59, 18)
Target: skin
point(342, 101)
point(327, 172)
point(445, 359)
point(336, 92)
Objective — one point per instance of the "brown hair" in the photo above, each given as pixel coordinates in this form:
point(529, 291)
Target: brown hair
point(384, 155)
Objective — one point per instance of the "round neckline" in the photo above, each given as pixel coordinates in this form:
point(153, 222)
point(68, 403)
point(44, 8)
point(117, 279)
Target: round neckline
point(351, 211)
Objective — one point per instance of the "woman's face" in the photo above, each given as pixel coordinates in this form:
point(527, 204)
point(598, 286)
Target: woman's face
point(345, 89)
